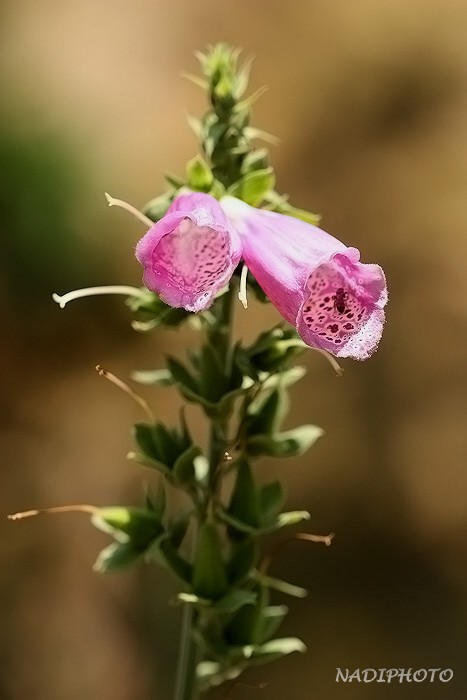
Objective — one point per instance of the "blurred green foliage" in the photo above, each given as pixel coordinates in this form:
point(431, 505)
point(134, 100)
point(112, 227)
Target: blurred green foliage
point(42, 182)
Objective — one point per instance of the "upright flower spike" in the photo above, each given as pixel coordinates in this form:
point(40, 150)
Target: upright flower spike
point(318, 284)
point(190, 254)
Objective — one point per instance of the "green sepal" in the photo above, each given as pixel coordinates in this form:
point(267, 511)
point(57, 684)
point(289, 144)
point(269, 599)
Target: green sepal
point(156, 208)
point(213, 391)
point(288, 444)
point(243, 558)
point(137, 526)
point(244, 505)
point(152, 312)
point(256, 159)
point(217, 189)
point(209, 576)
point(199, 176)
point(275, 348)
point(242, 628)
point(253, 186)
point(174, 181)
point(115, 557)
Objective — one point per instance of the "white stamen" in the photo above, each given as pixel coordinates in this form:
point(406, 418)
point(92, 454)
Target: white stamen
point(129, 208)
point(63, 300)
point(242, 292)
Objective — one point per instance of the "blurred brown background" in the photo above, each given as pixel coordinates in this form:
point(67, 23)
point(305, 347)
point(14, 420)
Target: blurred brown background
point(370, 101)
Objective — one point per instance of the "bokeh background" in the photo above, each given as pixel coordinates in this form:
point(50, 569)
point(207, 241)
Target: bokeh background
point(370, 101)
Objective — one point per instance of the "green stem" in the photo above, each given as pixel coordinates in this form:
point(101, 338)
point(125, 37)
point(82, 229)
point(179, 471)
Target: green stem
point(184, 680)
point(219, 335)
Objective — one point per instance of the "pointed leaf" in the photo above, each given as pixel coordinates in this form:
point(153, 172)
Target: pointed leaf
point(184, 469)
point(289, 444)
point(244, 500)
point(128, 524)
point(163, 552)
point(271, 499)
point(253, 186)
point(181, 375)
point(277, 648)
point(283, 586)
point(234, 600)
point(115, 557)
point(270, 621)
point(242, 561)
point(198, 174)
point(154, 377)
point(209, 577)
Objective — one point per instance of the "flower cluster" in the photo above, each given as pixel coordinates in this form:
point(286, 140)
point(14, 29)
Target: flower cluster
point(317, 283)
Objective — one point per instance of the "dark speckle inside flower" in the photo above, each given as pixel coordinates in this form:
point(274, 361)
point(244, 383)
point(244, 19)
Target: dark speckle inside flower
point(331, 303)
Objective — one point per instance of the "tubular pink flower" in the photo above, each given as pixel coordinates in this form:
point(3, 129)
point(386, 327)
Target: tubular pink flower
point(190, 254)
point(318, 284)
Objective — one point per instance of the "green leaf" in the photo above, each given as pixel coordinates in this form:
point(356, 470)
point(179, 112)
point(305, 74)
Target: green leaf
point(267, 412)
point(174, 181)
point(242, 561)
point(276, 648)
point(271, 499)
point(255, 160)
point(253, 186)
point(209, 577)
point(293, 517)
point(155, 442)
point(115, 557)
point(183, 468)
point(179, 527)
point(182, 376)
point(146, 461)
point(138, 526)
point(282, 586)
point(270, 621)
point(244, 500)
point(158, 502)
point(289, 444)
point(192, 599)
point(212, 673)
point(156, 208)
point(282, 520)
point(234, 600)
point(163, 552)
point(154, 377)
point(213, 380)
point(241, 629)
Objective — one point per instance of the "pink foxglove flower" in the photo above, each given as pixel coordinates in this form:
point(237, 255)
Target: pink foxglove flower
point(318, 284)
point(190, 254)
